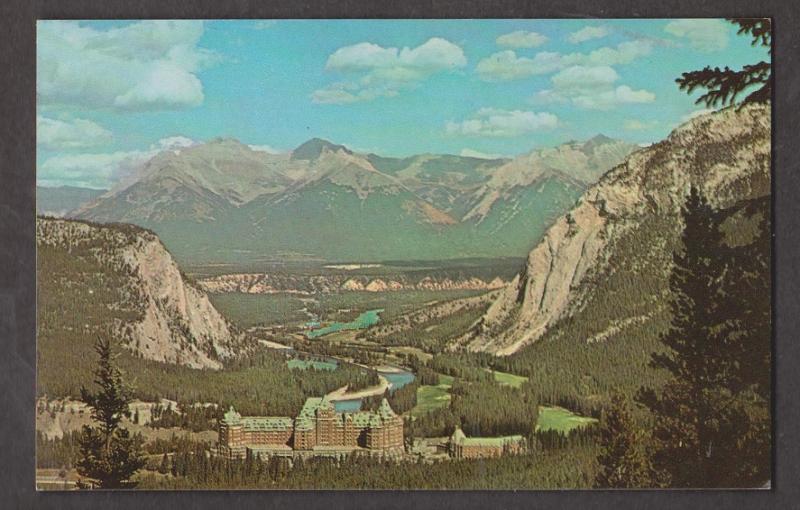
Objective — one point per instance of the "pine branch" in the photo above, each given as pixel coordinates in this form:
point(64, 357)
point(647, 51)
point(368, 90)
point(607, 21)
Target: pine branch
point(760, 29)
point(724, 85)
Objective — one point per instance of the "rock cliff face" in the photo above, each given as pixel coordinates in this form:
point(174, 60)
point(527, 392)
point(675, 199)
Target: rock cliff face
point(725, 154)
point(152, 309)
point(261, 283)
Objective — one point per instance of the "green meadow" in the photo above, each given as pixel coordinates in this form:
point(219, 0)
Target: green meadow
point(560, 419)
point(433, 397)
point(303, 364)
point(512, 380)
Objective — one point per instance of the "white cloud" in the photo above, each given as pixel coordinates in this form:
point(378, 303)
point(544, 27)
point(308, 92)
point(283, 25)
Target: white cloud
point(588, 33)
point(172, 142)
point(624, 53)
point(502, 123)
point(87, 170)
point(705, 35)
point(506, 65)
point(54, 134)
point(592, 88)
point(584, 78)
point(333, 94)
point(638, 125)
point(264, 148)
point(691, 115)
point(147, 65)
point(469, 153)
point(625, 94)
point(344, 93)
point(362, 56)
point(384, 72)
point(521, 39)
point(608, 99)
point(102, 170)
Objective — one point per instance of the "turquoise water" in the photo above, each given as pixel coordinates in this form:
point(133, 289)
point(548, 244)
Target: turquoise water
point(347, 406)
point(398, 380)
point(365, 320)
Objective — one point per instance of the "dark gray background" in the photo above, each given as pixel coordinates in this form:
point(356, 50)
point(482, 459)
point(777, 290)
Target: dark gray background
point(17, 249)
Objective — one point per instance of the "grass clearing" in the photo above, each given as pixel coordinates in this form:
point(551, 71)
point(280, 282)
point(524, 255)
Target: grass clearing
point(560, 419)
point(515, 381)
point(246, 310)
point(446, 380)
point(394, 303)
point(433, 397)
point(303, 364)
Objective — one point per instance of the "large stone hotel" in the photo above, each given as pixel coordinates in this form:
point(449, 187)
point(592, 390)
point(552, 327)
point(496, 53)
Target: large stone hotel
point(318, 430)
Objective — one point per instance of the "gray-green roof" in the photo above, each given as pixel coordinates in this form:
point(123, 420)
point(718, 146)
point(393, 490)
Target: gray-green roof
point(385, 410)
point(361, 418)
point(313, 403)
point(231, 417)
point(490, 441)
point(266, 423)
point(305, 419)
point(303, 423)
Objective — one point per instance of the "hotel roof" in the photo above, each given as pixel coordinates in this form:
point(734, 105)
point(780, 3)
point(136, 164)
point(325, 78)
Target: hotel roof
point(459, 437)
point(305, 419)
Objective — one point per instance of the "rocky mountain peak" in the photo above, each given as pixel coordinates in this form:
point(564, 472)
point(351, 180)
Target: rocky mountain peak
point(313, 149)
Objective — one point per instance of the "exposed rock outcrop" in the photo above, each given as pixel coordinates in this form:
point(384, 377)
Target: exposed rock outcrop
point(261, 283)
point(166, 318)
point(726, 155)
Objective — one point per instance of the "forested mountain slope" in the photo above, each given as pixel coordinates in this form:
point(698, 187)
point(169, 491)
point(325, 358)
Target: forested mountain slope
point(600, 272)
point(120, 281)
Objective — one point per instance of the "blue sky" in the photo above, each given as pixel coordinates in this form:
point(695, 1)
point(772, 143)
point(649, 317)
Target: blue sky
point(110, 94)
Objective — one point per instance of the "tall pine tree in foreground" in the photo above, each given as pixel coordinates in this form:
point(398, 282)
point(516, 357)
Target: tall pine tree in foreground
point(623, 463)
point(711, 419)
point(108, 454)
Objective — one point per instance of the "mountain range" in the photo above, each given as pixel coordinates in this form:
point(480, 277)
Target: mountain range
point(222, 201)
point(61, 200)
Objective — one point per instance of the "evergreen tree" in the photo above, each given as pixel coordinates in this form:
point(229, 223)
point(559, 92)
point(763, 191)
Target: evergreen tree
point(623, 463)
point(724, 85)
point(711, 423)
point(163, 468)
point(109, 455)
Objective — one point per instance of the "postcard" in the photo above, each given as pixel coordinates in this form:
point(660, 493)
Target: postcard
point(403, 254)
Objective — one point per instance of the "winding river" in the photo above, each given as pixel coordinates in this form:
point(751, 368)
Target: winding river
point(397, 379)
point(396, 376)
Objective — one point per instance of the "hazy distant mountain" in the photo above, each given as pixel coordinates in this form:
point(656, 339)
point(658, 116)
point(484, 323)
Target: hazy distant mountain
point(60, 200)
point(222, 201)
point(579, 162)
